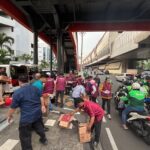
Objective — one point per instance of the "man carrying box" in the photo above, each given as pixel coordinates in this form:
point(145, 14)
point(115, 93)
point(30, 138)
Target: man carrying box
point(96, 114)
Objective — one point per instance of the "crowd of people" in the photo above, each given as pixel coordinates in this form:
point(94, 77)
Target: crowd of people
point(33, 99)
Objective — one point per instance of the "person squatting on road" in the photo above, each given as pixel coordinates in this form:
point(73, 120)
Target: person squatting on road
point(135, 103)
point(106, 94)
point(28, 99)
point(95, 113)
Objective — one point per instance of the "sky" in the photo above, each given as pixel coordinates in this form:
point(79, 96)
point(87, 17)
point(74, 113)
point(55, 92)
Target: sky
point(90, 39)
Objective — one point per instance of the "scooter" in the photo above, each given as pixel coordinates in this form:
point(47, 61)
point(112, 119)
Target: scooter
point(140, 124)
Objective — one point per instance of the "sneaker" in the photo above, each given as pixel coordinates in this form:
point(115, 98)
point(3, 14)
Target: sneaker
point(44, 142)
point(109, 116)
point(125, 127)
point(95, 144)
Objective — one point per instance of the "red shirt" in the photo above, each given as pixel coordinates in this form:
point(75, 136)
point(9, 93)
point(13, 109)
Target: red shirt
point(49, 86)
point(93, 110)
point(60, 83)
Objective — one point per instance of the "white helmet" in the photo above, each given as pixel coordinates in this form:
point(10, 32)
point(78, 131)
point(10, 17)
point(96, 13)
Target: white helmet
point(136, 86)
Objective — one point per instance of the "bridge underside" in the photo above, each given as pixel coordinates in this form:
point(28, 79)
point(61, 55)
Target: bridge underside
point(56, 19)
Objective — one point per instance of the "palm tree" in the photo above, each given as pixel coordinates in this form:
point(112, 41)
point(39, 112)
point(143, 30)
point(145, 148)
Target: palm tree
point(26, 57)
point(6, 43)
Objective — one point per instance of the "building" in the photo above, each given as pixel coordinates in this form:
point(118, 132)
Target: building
point(23, 38)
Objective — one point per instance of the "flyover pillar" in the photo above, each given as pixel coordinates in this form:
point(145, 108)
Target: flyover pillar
point(35, 53)
point(60, 65)
point(51, 60)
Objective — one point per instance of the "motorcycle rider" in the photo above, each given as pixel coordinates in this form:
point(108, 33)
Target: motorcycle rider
point(135, 103)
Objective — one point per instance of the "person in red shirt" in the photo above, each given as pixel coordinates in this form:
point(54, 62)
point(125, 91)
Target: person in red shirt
point(60, 88)
point(95, 112)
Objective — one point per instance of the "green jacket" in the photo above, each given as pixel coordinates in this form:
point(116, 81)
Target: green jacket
point(135, 98)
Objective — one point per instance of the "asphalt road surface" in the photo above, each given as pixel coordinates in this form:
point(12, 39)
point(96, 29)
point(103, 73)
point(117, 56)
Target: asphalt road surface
point(113, 137)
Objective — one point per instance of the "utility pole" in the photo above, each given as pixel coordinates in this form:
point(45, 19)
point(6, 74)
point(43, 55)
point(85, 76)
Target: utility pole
point(81, 65)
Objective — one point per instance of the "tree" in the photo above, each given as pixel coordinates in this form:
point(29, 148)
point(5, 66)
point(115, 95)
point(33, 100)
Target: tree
point(26, 57)
point(6, 43)
point(44, 64)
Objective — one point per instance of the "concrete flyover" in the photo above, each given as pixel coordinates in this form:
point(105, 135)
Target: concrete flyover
point(118, 51)
point(55, 20)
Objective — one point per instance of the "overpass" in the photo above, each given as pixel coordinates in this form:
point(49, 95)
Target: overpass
point(55, 20)
point(119, 51)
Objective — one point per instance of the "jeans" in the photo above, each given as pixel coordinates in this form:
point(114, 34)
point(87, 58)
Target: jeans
point(129, 109)
point(25, 131)
point(97, 128)
point(108, 104)
point(61, 93)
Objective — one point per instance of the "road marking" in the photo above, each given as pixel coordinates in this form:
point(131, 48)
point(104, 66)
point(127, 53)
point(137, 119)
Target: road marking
point(9, 144)
point(112, 141)
point(104, 119)
point(69, 109)
point(5, 124)
point(50, 122)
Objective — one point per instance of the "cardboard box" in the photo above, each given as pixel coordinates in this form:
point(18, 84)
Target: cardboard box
point(69, 104)
point(84, 135)
point(65, 120)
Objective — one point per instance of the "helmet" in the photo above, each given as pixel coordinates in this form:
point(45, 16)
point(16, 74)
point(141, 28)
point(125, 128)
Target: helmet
point(136, 86)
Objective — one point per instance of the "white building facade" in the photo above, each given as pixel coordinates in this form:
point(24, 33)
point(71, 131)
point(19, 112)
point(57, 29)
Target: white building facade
point(23, 38)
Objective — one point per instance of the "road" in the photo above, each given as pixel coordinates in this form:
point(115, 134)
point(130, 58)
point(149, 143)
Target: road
point(113, 137)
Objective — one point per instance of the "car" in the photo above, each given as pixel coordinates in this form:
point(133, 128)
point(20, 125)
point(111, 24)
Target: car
point(123, 77)
point(145, 73)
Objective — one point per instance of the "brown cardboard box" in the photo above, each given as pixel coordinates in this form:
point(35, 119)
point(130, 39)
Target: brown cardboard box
point(84, 135)
point(65, 123)
point(69, 104)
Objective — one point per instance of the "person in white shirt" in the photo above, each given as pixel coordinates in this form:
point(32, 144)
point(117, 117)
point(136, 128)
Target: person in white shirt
point(78, 91)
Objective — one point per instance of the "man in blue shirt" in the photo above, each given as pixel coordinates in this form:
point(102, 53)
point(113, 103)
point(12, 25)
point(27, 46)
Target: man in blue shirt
point(28, 99)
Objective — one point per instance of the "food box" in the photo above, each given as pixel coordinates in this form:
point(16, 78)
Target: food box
point(69, 104)
point(84, 134)
point(65, 120)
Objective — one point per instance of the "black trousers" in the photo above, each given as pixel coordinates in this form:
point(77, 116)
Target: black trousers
point(76, 102)
point(25, 133)
point(61, 93)
point(93, 99)
point(104, 101)
point(97, 129)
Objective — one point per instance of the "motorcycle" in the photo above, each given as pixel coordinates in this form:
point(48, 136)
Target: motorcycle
point(140, 124)
point(147, 104)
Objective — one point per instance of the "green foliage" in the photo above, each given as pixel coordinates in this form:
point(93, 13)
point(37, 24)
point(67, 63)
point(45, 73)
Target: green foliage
point(5, 48)
point(26, 57)
point(6, 42)
point(44, 64)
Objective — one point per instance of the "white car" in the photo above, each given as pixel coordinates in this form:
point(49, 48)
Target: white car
point(123, 77)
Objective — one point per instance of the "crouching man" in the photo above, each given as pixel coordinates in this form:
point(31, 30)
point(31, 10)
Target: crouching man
point(28, 99)
point(95, 113)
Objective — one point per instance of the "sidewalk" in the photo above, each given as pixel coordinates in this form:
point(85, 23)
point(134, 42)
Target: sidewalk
point(58, 138)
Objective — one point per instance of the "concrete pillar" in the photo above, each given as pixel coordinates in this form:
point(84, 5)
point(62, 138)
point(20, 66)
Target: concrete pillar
point(51, 60)
point(59, 53)
point(35, 53)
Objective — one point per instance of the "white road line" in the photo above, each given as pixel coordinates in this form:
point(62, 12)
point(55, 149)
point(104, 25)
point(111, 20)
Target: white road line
point(104, 119)
point(112, 141)
point(9, 144)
